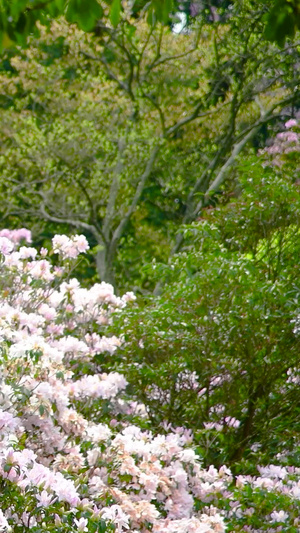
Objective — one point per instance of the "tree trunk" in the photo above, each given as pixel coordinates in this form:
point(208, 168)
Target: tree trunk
point(104, 266)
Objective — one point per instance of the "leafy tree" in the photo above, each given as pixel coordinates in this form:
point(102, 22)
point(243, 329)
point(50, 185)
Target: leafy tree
point(102, 132)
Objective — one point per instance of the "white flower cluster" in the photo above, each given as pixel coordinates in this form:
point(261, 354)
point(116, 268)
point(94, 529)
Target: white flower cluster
point(51, 445)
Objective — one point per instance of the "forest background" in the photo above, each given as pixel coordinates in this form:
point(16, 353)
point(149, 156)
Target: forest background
point(176, 154)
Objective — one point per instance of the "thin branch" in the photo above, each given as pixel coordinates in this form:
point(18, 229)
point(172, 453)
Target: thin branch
point(113, 191)
point(246, 135)
point(158, 109)
point(162, 60)
point(195, 114)
point(158, 49)
point(122, 47)
point(269, 114)
point(76, 223)
point(237, 148)
point(109, 72)
point(92, 205)
point(138, 193)
point(141, 54)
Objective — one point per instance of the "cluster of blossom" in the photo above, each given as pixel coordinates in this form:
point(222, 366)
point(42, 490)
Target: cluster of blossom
point(61, 453)
point(156, 477)
point(69, 454)
point(228, 421)
point(17, 235)
point(285, 143)
point(69, 248)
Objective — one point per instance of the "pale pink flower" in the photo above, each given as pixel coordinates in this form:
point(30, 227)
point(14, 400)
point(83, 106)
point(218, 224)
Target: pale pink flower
point(129, 297)
point(41, 270)
point(13, 260)
point(45, 499)
point(17, 235)
point(60, 243)
point(57, 520)
point(7, 421)
point(292, 137)
point(279, 516)
point(232, 422)
point(28, 519)
point(81, 243)
point(69, 248)
point(25, 457)
point(81, 524)
point(49, 313)
point(5, 233)
point(21, 234)
point(116, 516)
point(6, 246)
point(55, 329)
point(98, 433)
point(65, 490)
point(291, 123)
point(188, 455)
point(27, 252)
point(273, 471)
point(4, 525)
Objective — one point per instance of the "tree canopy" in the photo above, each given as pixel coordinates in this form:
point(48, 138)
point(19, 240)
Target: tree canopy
point(18, 18)
point(130, 133)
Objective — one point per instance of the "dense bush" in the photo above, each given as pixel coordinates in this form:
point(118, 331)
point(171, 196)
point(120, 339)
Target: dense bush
point(70, 457)
point(69, 460)
point(218, 351)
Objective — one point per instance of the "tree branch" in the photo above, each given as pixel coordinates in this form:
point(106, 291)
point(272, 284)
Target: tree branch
point(139, 190)
point(109, 72)
point(113, 191)
point(76, 223)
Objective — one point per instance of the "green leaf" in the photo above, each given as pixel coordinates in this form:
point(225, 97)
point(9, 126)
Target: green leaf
point(151, 17)
point(101, 526)
point(16, 8)
point(84, 13)
point(56, 8)
point(115, 12)
point(166, 8)
point(282, 21)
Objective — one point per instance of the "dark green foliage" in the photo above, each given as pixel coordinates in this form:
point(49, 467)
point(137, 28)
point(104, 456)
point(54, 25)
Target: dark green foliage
point(18, 18)
point(220, 343)
point(85, 13)
point(283, 20)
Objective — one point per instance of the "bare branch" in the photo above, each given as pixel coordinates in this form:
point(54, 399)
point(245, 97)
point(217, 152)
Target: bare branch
point(138, 193)
point(141, 54)
point(109, 72)
point(113, 191)
point(159, 110)
point(72, 222)
point(195, 114)
point(162, 60)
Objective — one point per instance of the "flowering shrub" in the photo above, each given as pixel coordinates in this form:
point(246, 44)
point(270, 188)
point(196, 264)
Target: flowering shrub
point(70, 458)
point(63, 466)
point(285, 148)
